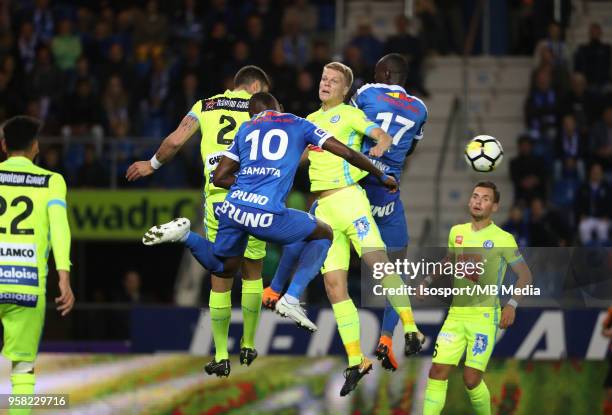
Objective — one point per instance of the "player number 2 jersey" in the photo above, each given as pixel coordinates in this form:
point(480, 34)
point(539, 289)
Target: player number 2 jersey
point(269, 148)
point(219, 117)
point(29, 197)
point(400, 115)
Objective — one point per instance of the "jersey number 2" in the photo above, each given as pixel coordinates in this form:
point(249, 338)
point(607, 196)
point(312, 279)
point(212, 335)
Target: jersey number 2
point(387, 118)
point(229, 127)
point(29, 207)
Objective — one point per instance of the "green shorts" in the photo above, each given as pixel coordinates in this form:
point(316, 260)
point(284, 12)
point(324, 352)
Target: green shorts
point(22, 330)
point(473, 336)
point(255, 249)
point(349, 214)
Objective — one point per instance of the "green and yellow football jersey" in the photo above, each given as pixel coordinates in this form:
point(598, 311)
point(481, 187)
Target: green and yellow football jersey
point(348, 125)
point(219, 117)
point(32, 221)
point(494, 249)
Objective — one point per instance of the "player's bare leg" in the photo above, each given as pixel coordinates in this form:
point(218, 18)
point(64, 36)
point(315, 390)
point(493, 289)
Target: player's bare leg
point(252, 289)
point(477, 390)
point(220, 304)
point(347, 318)
point(401, 303)
point(435, 394)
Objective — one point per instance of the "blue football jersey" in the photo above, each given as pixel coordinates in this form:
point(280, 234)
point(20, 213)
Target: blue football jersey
point(402, 116)
point(269, 148)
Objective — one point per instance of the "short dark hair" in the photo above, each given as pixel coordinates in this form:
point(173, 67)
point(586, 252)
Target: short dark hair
point(490, 185)
point(398, 66)
point(262, 101)
point(249, 74)
point(20, 132)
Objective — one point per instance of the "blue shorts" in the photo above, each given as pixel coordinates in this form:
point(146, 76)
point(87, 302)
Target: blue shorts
point(237, 222)
point(388, 212)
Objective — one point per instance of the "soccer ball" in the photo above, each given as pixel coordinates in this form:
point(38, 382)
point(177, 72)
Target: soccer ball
point(484, 153)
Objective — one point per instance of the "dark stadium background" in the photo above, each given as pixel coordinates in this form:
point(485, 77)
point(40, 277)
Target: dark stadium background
point(110, 79)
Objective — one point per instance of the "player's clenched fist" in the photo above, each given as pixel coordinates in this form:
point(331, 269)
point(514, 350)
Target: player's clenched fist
point(507, 317)
point(390, 183)
point(65, 301)
point(139, 169)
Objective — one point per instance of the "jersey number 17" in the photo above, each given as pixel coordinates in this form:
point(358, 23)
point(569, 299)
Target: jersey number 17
point(387, 118)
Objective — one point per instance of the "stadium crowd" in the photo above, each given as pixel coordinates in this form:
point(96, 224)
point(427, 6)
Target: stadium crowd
point(563, 169)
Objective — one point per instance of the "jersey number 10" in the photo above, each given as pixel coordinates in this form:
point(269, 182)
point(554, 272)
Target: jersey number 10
point(266, 151)
point(387, 118)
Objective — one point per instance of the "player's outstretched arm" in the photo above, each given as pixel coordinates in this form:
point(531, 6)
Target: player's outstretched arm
point(168, 148)
point(524, 278)
point(223, 175)
point(359, 160)
point(383, 142)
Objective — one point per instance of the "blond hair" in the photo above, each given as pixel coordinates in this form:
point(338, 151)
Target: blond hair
point(344, 70)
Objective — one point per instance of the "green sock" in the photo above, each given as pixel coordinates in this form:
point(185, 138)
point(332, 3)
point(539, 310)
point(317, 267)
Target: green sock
point(220, 315)
point(435, 396)
point(252, 293)
point(400, 302)
point(23, 384)
point(480, 398)
point(347, 318)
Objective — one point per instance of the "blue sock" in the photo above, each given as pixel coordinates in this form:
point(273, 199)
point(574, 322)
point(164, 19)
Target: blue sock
point(390, 320)
point(202, 249)
point(287, 265)
point(311, 261)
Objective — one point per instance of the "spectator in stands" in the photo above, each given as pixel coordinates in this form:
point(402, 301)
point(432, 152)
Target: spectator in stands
point(116, 102)
point(66, 46)
point(91, 173)
point(601, 140)
point(218, 48)
point(51, 159)
point(116, 64)
point(27, 43)
point(183, 99)
point(594, 208)
point(83, 72)
point(320, 56)
point(371, 48)
point(150, 27)
point(294, 42)
point(528, 172)
point(303, 100)
point(10, 100)
point(282, 73)
point(241, 56)
point(82, 112)
point(269, 12)
point(187, 23)
point(565, 188)
point(304, 11)
point(518, 226)
point(432, 26)
point(99, 44)
point(546, 227)
point(361, 71)
point(593, 59)
point(131, 289)
point(554, 41)
point(46, 79)
point(256, 38)
point(570, 142)
point(42, 18)
point(411, 48)
point(542, 109)
point(584, 104)
point(558, 70)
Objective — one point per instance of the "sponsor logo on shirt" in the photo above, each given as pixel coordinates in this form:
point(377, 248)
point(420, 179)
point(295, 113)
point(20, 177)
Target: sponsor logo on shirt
point(24, 300)
point(213, 159)
point(459, 239)
point(231, 104)
point(18, 253)
point(321, 133)
point(250, 197)
point(382, 211)
point(9, 178)
point(17, 275)
point(248, 219)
